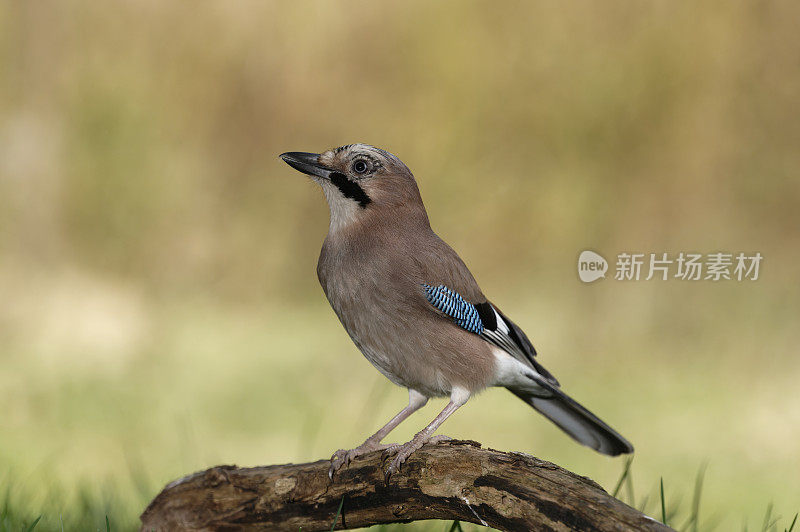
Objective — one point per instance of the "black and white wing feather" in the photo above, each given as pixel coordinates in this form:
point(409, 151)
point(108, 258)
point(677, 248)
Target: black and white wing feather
point(505, 334)
point(493, 326)
point(486, 321)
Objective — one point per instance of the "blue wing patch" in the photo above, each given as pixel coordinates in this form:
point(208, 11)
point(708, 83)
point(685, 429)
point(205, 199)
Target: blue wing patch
point(464, 314)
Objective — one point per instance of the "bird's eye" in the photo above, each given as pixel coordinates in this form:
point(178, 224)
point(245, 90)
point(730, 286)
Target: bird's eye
point(359, 166)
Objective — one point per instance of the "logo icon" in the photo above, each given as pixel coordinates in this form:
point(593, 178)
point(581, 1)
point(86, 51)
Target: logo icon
point(591, 266)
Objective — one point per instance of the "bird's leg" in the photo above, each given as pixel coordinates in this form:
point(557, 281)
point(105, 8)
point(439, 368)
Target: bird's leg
point(458, 397)
point(342, 457)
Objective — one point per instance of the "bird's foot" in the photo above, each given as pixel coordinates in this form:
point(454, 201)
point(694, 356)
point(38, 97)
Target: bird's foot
point(402, 452)
point(343, 457)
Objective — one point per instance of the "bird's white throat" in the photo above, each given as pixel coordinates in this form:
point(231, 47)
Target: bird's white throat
point(344, 211)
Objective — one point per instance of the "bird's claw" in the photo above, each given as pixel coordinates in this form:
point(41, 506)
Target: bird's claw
point(340, 458)
point(402, 452)
point(389, 451)
point(343, 457)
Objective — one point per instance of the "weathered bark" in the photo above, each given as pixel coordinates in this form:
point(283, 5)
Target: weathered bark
point(453, 480)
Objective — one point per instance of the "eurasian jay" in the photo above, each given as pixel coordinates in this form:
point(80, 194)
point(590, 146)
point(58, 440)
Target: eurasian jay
point(412, 307)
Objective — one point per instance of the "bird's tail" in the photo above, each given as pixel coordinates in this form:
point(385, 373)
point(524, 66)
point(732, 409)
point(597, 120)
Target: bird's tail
point(577, 421)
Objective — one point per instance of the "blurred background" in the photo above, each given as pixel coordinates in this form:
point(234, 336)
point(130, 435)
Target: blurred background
point(160, 309)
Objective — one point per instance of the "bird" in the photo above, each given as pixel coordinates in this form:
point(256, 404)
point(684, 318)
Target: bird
point(412, 307)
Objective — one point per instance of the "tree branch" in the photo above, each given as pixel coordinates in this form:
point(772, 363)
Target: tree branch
point(453, 480)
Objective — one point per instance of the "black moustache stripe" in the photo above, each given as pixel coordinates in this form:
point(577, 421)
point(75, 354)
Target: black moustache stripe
point(350, 189)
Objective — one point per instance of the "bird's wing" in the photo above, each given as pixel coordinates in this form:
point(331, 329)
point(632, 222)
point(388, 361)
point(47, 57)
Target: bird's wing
point(485, 320)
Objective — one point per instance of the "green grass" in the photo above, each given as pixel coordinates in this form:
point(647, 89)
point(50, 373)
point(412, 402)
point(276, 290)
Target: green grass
point(84, 508)
point(87, 436)
point(115, 507)
point(338, 513)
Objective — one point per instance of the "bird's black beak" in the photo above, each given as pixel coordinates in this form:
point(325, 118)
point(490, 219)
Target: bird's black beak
point(306, 163)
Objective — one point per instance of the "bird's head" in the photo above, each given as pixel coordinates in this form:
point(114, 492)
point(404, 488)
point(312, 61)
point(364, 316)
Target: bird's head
point(359, 180)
